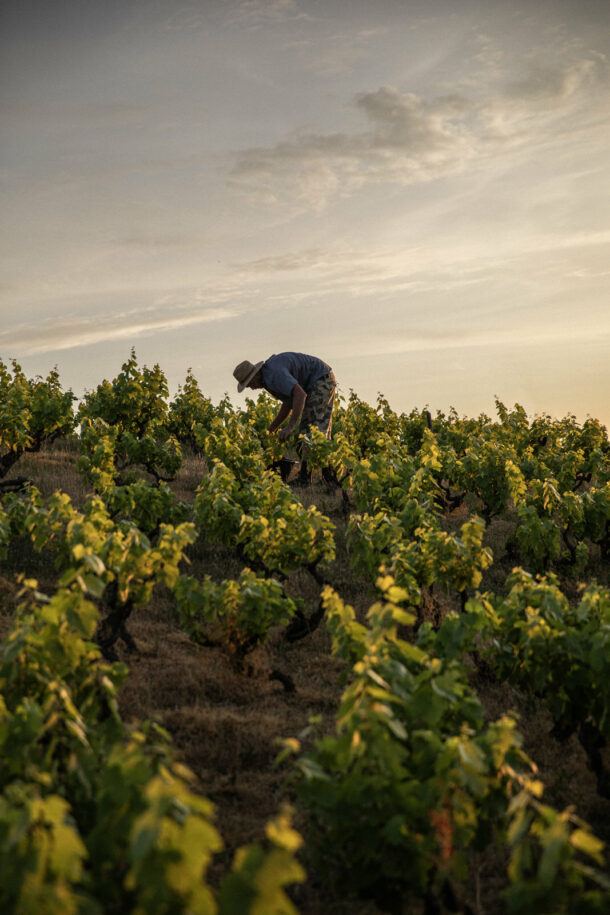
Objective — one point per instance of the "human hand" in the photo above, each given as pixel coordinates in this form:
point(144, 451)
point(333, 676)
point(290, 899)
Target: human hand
point(283, 434)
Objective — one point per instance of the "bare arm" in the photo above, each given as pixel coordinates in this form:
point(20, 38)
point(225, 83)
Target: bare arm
point(296, 410)
point(284, 413)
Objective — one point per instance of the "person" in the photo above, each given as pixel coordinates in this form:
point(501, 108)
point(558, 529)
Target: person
point(306, 387)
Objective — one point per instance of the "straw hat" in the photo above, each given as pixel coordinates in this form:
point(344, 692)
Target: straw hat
point(244, 373)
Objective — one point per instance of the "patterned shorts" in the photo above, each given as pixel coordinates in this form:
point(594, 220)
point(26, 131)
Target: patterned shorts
point(318, 409)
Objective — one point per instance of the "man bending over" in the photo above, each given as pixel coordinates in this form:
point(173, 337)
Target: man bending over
point(306, 387)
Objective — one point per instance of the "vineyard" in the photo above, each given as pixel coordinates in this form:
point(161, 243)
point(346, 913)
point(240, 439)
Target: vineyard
point(225, 692)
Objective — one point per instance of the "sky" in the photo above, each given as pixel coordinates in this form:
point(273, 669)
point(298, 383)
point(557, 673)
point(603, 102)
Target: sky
point(416, 192)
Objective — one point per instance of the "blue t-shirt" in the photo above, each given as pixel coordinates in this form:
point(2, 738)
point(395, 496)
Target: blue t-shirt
point(282, 371)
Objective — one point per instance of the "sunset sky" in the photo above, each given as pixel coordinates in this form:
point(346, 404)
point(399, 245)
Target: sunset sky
point(417, 192)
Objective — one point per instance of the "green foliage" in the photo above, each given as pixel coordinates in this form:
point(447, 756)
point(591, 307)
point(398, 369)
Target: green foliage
point(146, 506)
point(412, 428)
point(114, 563)
point(33, 412)
point(190, 415)
point(362, 424)
point(126, 425)
point(264, 518)
point(482, 470)
point(54, 688)
point(43, 855)
point(283, 535)
point(96, 818)
point(545, 645)
point(553, 858)
point(334, 456)
point(134, 402)
point(538, 537)
point(256, 884)
point(98, 449)
point(596, 515)
point(240, 440)
point(238, 446)
point(412, 778)
point(417, 552)
point(241, 611)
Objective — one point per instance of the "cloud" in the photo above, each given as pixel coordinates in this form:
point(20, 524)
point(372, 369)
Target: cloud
point(259, 13)
point(51, 111)
point(409, 139)
point(337, 53)
point(189, 18)
point(416, 340)
point(588, 274)
point(282, 263)
point(405, 122)
point(556, 84)
point(418, 272)
point(64, 334)
point(537, 107)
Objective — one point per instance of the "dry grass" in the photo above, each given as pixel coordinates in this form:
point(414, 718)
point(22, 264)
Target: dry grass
point(225, 724)
point(53, 468)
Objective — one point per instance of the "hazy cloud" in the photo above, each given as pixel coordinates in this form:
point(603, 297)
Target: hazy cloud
point(418, 271)
point(42, 111)
point(64, 334)
point(530, 108)
point(338, 53)
point(410, 139)
point(557, 84)
point(259, 13)
point(295, 260)
point(416, 340)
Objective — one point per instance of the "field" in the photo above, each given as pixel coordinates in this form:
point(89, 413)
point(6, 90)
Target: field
point(442, 752)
